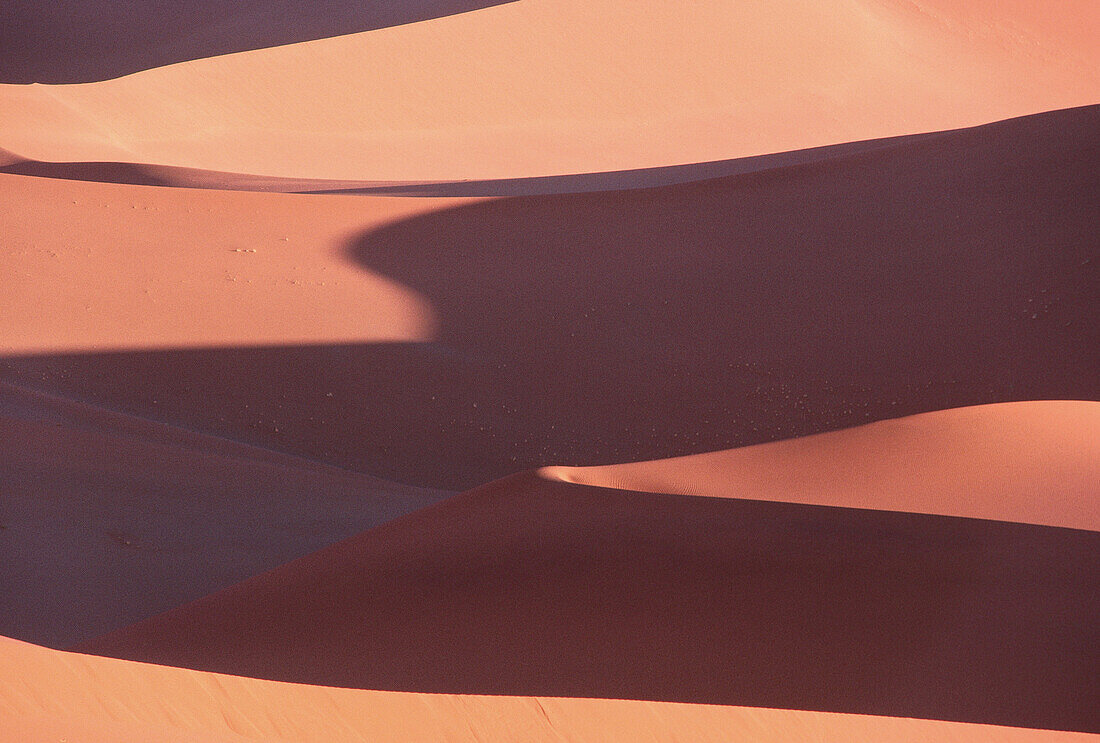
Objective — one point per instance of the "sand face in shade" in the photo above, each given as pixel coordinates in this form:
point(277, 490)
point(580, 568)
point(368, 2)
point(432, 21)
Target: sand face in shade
point(539, 87)
point(595, 328)
point(572, 590)
point(759, 336)
point(107, 518)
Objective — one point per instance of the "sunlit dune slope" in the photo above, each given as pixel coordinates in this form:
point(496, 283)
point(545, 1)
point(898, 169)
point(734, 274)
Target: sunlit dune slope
point(533, 586)
point(62, 696)
point(540, 87)
point(106, 519)
point(1033, 462)
point(508, 334)
point(100, 266)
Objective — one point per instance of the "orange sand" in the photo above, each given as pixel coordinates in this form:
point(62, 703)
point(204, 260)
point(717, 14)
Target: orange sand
point(539, 87)
point(64, 696)
point(1033, 462)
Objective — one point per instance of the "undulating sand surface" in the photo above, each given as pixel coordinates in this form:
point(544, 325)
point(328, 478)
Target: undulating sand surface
point(572, 590)
point(449, 342)
point(543, 87)
point(1032, 462)
point(107, 518)
point(549, 370)
point(64, 696)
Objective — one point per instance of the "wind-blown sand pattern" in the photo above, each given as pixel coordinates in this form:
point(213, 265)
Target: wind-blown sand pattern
point(549, 370)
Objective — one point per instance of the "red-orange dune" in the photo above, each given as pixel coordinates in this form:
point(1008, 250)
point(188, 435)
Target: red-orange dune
point(534, 586)
point(449, 342)
point(724, 223)
point(1033, 462)
point(58, 696)
point(539, 87)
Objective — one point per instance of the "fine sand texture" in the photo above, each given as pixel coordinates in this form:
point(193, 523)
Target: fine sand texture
point(1033, 462)
point(549, 370)
point(449, 342)
point(528, 88)
point(579, 591)
point(60, 696)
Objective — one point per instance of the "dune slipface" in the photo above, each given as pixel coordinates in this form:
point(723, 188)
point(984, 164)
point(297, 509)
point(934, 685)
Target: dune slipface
point(550, 370)
point(450, 342)
point(579, 591)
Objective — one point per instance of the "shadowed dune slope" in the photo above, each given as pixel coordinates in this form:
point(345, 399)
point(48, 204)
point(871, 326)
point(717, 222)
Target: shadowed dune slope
point(501, 335)
point(106, 519)
point(550, 87)
point(531, 586)
point(63, 696)
point(1041, 465)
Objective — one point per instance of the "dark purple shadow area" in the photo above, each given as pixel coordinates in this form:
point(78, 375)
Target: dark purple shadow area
point(77, 41)
point(534, 588)
point(627, 325)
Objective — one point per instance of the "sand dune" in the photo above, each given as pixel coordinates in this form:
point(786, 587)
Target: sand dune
point(62, 696)
point(506, 334)
point(169, 175)
point(1040, 462)
point(571, 590)
point(759, 336)
point(72, 41)
point(544, 87)
point(129, 267)
point(108, 519)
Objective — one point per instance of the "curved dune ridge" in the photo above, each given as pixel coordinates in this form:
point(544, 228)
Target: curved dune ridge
point(550, 370)
point(543, 87)
point(508, 334)
point(64, 696)
point(572, 590)
point(1033, 462)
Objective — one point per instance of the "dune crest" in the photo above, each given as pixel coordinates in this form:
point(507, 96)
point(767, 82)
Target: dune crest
point(545, 87)
point(575, 590)
point(1030, 462)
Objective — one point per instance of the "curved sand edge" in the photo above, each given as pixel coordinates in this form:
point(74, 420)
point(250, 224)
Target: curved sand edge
point(1028, 462)
point(50, 695)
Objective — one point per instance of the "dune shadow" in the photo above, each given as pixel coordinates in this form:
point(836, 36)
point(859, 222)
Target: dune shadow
point(536, 588)
point(616, 326)
point(72, 41)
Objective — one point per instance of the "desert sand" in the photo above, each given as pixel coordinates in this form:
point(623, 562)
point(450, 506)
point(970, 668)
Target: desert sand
point(1034, 463)
point(488, 370)
point(580, 591)
point(597, 328)
point(63, 696)
point(545, 87)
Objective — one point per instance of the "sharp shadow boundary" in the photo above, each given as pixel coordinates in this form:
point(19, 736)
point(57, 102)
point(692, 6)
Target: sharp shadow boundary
point(76, 41)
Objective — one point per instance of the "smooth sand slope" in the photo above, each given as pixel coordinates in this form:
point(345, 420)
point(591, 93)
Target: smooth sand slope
point(63, 696)
point(543, 87)
point(451, 342)
point(99, 266)
point(533, 586)
point(74, 41)
point(1030, 462)
point(106, 519)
